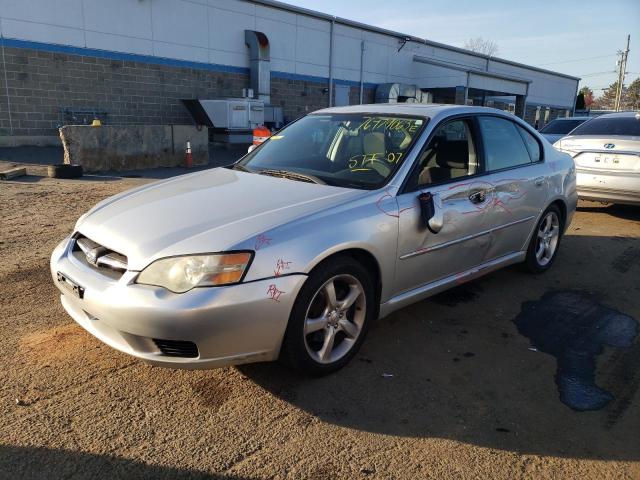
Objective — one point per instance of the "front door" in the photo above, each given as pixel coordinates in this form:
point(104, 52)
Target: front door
point(447, 168)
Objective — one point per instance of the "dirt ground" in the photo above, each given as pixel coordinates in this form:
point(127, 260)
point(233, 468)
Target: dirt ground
point(446, 388)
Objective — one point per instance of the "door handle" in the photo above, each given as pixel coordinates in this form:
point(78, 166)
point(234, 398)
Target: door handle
point(478, 197)
point(538, 181)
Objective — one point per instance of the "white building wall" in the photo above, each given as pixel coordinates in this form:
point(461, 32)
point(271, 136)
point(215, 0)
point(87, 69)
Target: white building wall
point(212, 31)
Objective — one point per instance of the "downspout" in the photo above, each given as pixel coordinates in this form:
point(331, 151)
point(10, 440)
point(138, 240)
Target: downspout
point(524, 102)
point(333, 23)
point(361, 71)
point(6, 87)
point(260, 64)
point(466, 89)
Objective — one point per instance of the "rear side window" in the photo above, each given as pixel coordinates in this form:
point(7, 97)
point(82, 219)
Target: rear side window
point(533, 147)
point(503, 144)
point(625, 126)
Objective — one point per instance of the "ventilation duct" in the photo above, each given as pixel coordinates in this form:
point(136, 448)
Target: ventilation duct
point(260, 64)
point(400, 93)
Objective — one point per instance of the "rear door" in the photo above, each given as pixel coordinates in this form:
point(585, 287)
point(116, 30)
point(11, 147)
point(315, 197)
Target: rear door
point(515, 183)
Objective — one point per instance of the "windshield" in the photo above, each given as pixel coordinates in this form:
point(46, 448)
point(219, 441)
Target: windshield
point(605, 126)
point(345, 150)
point(561, 126)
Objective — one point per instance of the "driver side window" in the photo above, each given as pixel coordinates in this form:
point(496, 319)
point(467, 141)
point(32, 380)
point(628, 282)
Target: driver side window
point(450, 154)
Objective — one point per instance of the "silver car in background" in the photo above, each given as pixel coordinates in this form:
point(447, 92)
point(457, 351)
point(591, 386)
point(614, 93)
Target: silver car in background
point(606, 151)
point(561, 127)
point(344, 216)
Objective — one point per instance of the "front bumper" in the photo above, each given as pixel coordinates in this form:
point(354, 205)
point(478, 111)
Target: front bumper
point(230, 325)
point(606, 186)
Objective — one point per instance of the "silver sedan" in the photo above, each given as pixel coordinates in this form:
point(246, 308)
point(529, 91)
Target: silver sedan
point(345, 216)
point(606, 151)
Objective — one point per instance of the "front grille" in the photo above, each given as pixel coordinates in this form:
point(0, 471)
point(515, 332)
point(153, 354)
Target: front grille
point(112, 264)
point(177, 348)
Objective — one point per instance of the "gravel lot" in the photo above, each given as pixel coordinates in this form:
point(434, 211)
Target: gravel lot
point(446, 388)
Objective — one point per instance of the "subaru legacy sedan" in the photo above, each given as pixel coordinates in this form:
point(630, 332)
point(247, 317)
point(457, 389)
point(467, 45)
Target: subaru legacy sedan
point(606, 151)
point(343, 217)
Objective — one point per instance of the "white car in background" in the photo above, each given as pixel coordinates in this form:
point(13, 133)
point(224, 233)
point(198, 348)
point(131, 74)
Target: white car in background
point(606, 151)
point(561, 127)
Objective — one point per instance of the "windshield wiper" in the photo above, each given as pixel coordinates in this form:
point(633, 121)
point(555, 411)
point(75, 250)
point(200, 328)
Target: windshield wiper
point(292, 176)
point(242, 168)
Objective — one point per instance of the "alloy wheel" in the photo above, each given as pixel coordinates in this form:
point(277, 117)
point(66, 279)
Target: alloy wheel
point(335, 318)
point(548, 237)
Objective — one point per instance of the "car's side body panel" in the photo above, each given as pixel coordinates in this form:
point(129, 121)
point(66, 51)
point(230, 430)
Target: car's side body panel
point(424, 256)
point(369, 223)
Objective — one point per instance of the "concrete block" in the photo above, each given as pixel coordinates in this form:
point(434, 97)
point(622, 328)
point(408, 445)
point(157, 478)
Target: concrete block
point(13, 173)
point(132, 147)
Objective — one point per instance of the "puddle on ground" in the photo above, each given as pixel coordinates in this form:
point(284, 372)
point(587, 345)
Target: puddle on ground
point(626, 260)
point(574, 328)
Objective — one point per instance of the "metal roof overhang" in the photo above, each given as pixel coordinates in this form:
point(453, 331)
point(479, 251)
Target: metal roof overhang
point(400, 36)
point(483, 79)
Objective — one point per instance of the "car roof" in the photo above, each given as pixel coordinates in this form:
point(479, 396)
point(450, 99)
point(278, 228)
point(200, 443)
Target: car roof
point(619, 114)
point(421, 109)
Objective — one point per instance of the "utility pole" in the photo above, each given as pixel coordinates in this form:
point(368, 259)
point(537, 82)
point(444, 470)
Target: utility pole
point(622, 70)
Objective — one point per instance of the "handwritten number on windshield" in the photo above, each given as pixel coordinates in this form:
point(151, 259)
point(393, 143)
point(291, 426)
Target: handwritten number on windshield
point(360, 162)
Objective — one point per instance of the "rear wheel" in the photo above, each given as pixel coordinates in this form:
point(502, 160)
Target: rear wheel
point(545, 241)
point(330, 317)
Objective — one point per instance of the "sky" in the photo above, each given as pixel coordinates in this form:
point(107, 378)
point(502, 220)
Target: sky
point(579, 38)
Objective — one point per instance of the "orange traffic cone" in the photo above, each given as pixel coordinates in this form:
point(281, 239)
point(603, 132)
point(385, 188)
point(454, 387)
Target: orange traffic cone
point(188, 159)
point(260, 134)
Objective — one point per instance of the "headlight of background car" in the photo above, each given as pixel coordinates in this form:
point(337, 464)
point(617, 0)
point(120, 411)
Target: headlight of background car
point(181, 274)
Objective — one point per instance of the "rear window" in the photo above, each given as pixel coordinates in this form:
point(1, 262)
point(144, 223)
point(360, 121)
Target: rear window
point(561, 126)
point(626, 126)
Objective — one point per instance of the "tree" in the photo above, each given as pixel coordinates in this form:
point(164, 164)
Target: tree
point(630, 99)
point(580, 101)
point(608, 99)
point(587, 95)
point(631, 96)
point(479, 45)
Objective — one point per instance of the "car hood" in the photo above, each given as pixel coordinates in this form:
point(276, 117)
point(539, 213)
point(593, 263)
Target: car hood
point(209, 211)
point(596, 143)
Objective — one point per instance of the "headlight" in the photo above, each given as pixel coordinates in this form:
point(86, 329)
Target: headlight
point(181, 274)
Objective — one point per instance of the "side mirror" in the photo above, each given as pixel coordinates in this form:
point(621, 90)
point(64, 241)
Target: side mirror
point(430, 213)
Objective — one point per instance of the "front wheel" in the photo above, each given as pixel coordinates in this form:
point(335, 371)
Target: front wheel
point(545, 241)
point(330, 317)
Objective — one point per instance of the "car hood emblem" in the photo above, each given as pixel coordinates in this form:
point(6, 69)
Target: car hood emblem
point(609, 146)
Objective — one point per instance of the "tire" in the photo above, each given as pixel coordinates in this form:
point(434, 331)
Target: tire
point(63, 170)
point(540, 257)
point(348, 326)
